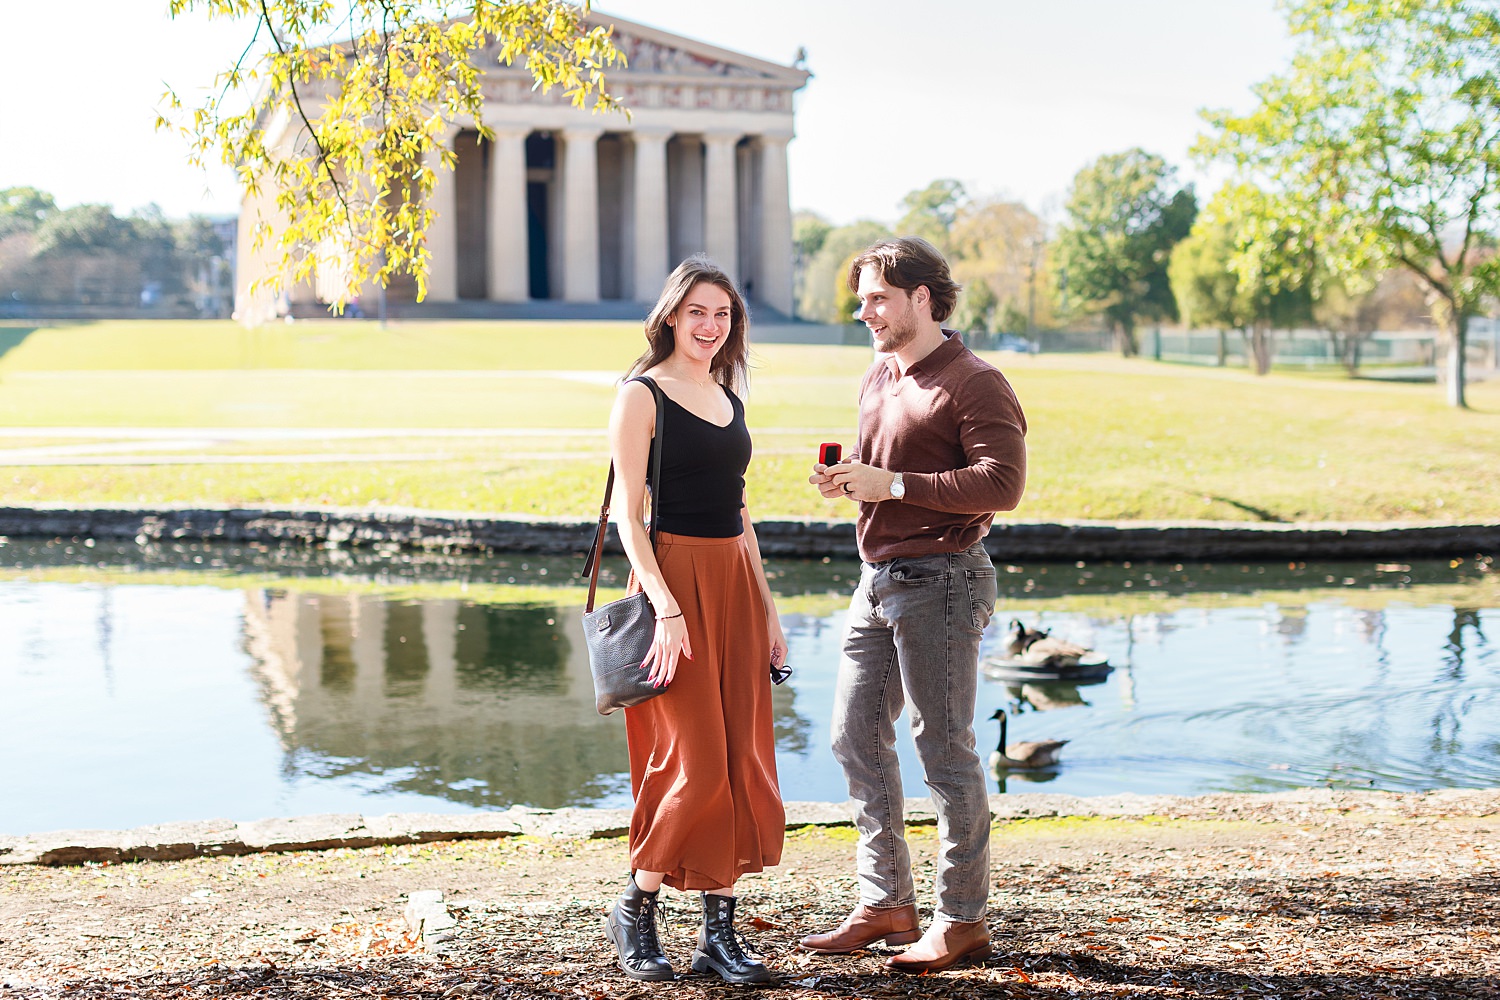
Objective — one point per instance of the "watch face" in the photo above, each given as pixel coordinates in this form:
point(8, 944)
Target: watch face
point(898, 489)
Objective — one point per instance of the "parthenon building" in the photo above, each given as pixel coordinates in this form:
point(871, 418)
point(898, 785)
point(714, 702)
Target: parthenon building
point(569, 206)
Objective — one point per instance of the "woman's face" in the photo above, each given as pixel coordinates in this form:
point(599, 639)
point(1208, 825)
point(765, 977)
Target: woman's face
point(701, 324)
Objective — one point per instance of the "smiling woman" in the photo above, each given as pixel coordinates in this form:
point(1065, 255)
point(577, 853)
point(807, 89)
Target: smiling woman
point(702, 753)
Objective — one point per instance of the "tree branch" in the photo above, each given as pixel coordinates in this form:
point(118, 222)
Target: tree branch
point(323, 159)
point(1472, 215)
point(233, 75)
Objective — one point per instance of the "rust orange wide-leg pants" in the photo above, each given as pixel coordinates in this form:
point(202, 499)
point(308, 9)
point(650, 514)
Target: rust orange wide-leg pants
point(703, 755)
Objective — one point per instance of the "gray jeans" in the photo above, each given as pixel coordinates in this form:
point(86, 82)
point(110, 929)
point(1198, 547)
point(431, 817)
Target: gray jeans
point(913, 639)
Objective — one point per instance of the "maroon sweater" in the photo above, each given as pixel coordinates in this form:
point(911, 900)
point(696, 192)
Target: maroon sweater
point(954, 429)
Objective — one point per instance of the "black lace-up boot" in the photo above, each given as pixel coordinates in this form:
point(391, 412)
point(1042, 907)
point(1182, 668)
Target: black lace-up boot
point(719, 948)
point(631, 928)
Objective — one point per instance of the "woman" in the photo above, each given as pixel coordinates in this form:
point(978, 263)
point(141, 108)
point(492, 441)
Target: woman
point(702, 755)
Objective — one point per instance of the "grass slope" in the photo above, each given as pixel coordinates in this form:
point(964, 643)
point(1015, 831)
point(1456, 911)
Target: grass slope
point(1109, 438)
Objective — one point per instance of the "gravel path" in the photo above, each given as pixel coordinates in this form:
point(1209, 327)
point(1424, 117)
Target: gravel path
point(1343, 897)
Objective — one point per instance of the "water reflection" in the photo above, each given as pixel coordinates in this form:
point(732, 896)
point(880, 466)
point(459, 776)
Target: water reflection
point(277, 681)
point(485, 705)
point(1285, 696)
point(1049, 696)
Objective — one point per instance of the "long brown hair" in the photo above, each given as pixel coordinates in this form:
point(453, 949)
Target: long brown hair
point(731, 366)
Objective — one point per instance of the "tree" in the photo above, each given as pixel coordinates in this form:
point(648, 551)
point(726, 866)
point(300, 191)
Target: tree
point(1248, 264)
point(823, 293)
point(22, 209)
point(1274, 262)
point(976, 306)
point(931, 211)
point(87, 255)
point(1387, 125)
point(83, 229)
point(1124, 215)
point(999, 244)
point(1203, 281)
point(1350, 314)
point(809, 230)
point(369, 88)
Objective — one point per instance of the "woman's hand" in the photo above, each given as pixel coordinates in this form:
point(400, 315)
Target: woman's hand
point(777, 637)
point(670, 643)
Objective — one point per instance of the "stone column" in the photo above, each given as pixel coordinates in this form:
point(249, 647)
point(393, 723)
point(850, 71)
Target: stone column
point(442, 234)
point(773, 284)
point(650, 216)
point(580, 220)
point(509, 246)
point(685, 194)
point(720, 199)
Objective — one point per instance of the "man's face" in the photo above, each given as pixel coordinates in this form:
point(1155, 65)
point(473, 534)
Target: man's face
point(888, 312)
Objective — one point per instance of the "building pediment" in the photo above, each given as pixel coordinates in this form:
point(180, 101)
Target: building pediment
point(647, 55)
point(656, 56)
point(652, 52)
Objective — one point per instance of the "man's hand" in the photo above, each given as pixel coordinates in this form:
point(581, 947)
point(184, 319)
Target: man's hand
point(824, 482)
point(853, 480)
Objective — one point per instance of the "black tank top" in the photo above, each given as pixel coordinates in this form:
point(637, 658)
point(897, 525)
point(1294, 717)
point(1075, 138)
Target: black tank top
point(703, 472)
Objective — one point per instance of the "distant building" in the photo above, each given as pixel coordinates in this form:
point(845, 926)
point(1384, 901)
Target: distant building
point(581, 208)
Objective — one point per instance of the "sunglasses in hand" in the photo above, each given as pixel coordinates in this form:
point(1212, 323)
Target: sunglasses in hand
point(781, 673)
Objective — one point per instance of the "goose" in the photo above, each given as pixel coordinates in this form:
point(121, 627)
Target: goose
point(1021, 637)
point(1023, 756)
point(1036, 647)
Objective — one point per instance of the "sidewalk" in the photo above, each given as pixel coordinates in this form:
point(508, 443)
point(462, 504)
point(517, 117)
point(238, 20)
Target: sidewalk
point(1304, 894)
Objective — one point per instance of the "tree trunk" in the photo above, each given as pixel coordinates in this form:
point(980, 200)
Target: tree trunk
point(1260, 338)
point(1125, 339)
point(1346, 348)
point(1458, 345)
point(1223, 348)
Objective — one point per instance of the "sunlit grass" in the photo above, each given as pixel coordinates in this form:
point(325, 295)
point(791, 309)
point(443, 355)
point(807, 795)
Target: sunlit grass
point(326, 344)
point(1109, 438)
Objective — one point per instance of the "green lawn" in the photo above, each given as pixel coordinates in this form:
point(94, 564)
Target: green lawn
point(195, 346)
point(1109, 438)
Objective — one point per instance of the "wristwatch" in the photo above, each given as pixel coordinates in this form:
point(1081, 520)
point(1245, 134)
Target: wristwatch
point(898, 488)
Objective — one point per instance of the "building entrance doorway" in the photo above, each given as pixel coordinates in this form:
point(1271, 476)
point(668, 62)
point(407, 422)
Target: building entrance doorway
point(541, 170)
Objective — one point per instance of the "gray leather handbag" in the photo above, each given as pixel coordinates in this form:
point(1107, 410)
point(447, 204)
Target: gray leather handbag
point(619, 634)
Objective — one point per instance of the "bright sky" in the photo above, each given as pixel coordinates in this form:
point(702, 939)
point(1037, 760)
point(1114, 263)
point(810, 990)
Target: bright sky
point(1011, 97)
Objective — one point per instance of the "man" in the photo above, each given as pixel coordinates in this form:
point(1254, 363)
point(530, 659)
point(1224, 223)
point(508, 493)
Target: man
point(942, 447)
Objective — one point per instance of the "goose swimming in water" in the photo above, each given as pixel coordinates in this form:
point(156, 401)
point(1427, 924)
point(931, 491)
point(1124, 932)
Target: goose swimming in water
point(1023, 756)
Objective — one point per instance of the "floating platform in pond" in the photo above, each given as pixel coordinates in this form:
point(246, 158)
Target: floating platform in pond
point(1087, 668)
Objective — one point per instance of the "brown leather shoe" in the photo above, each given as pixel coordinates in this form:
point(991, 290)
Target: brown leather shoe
point(865, 926)
point(945, 944)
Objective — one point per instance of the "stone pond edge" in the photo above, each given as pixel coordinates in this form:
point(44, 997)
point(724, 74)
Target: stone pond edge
point(219, 837)
point(1012, 541)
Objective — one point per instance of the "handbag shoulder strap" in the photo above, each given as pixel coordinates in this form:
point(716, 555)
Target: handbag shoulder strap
point(596, 551)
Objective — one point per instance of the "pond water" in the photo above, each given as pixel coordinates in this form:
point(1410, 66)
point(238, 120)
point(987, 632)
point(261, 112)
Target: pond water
point(142, 686)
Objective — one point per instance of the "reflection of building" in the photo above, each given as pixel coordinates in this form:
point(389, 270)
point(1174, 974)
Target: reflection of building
point(564, 204)
point(477, 704)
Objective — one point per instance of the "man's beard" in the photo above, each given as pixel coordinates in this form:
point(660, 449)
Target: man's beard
point(899, 335)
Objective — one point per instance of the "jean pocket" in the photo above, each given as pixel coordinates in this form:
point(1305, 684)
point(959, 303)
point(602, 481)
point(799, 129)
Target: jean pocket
point(919, 570)
point(982, 593)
